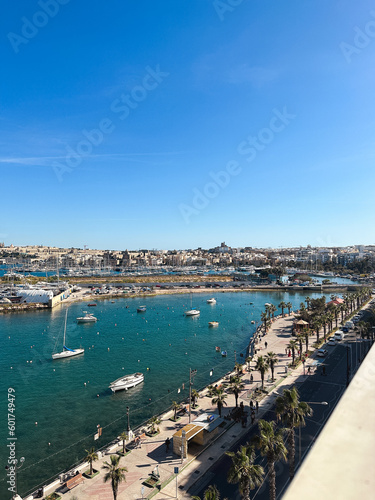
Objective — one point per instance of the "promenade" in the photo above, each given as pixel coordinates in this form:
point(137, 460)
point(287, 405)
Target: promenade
point(151, 455)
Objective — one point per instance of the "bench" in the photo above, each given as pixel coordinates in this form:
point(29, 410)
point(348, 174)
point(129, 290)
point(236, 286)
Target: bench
point(74, 481)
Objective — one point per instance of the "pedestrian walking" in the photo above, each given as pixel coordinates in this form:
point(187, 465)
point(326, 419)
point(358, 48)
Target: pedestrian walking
point(257, 406)
point(251, 405)
point(286, 350)
point(252, 417)
point(167, 443)
point(265, 345)
point(309, 370)
point(251, 378)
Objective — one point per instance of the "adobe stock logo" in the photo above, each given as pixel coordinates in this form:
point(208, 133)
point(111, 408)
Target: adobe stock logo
point(249, 148)
point(121, 108)
point(30, 28)
point(361, 40)
point(223, 6)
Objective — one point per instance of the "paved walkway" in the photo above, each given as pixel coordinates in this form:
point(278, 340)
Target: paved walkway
point(151, 455)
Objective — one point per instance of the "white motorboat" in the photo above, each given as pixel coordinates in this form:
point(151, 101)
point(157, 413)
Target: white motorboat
point(213, 323)
point(66, 352)
point(211, 301)
point(125, 383)
point(87, 318)
point(192, 312)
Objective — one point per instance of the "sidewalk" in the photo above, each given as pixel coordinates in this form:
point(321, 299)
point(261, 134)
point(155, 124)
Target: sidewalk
point(151, 455)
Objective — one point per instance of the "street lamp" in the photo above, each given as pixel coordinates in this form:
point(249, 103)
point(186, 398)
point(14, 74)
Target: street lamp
point(127, 413)
point(13, 474)
point(324, 403)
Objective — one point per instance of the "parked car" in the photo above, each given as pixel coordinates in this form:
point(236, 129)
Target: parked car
point(331, 341)
point(322, 353)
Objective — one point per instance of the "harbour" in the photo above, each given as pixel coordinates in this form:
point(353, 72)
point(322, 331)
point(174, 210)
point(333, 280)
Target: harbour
point(61, 403)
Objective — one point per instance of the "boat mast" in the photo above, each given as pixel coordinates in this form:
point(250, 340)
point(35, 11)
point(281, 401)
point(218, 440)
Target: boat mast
point(66, 316)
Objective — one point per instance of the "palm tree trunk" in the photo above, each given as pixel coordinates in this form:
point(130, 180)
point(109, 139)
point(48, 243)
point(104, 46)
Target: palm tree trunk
point(272, 478)
point(114, 489)
point(292, 453)
point(246, 491)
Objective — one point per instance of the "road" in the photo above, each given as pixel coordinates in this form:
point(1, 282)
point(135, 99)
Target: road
point(316, 388)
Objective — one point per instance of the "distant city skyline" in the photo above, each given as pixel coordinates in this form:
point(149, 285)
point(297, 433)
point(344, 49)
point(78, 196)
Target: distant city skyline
point(163, 125)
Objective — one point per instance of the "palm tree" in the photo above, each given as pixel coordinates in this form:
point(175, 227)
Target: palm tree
point(123, 436)
point(248, 360)
point(91, 457)
point(272, 310)
point(175, 407)
point(211, 493)
point(292, 413)
point(282, 306)
point(153, 423)
point(271, 360)
point(261, 367)
point(115, 474)
point(194, 397)
point(308, 300)
point(317, 323)
point(238, 368)
point(265, 319)
point(235, 387)
point(289, 305)
point(211, 391)
point(324, 321)
point(300, 338)
point(293, 346)
point(219, 399)
point(307, 335)
point(244, 472)
point(271, 445)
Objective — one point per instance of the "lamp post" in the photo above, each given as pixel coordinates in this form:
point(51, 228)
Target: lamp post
point(324, 403)
point(13, 475)
point(191, 382)
point(127, 414)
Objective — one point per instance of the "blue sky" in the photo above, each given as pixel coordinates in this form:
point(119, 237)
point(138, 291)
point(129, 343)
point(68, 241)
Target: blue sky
point(178, 124)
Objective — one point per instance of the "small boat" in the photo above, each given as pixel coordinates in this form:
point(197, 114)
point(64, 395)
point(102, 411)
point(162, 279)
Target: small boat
point(141, 309)
point(192, 312)
point(224, 354)
point(125, 383)
point(217, 349)
point(251, 303)
point(211, 301)
point(87, 318)
point(92, 304)
point(213, 323)
point(66, 352)
point(252, 322)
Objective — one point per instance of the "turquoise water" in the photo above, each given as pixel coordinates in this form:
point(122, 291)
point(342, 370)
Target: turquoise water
point(69, 398)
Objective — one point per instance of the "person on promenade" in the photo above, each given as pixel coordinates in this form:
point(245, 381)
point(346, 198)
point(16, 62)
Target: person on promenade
point(252, 417)
point(257, 406)
point(251, 378)
point(265, 345)
point(167, 443)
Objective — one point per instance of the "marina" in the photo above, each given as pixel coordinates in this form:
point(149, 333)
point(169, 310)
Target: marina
point(123, 342)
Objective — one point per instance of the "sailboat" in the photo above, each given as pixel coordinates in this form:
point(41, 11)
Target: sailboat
point(192, 312)
point(66, 352)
